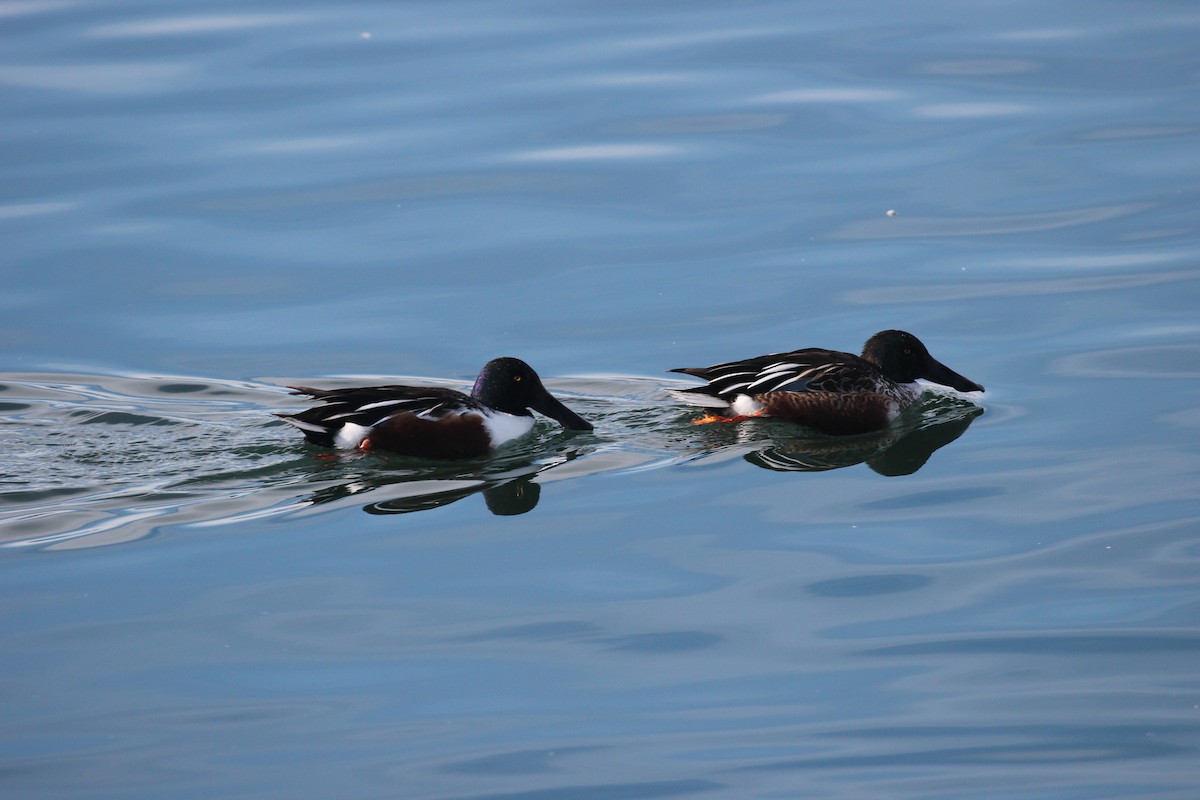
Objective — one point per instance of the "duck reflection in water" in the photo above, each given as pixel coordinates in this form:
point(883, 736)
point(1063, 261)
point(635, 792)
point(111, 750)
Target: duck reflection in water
point(504, 499)
point(402, 485)
point(894, 452)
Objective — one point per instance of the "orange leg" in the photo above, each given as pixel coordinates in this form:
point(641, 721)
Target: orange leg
point(708, 418)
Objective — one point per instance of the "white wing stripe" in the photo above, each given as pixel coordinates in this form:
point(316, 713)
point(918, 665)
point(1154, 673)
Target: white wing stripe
point(779, 366)
point(783, 383)
point(764, 379)
point(381, 404)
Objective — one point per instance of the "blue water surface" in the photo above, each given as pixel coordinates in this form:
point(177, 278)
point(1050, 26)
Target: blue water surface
point(202, 203)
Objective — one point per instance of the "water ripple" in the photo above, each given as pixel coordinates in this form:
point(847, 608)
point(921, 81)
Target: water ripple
point(916, 227)
point(96, 460)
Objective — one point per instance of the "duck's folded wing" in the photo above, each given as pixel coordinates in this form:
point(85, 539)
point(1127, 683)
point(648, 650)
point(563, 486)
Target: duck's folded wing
point(806, 370)
point(365, 406)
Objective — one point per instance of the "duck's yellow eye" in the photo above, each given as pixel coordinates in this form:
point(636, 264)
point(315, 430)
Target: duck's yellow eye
point(516, 378)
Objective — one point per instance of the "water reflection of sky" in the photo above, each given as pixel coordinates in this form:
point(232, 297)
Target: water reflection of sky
point(194, 199)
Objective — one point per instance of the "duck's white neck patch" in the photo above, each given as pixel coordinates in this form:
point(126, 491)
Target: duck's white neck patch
point(504, 427)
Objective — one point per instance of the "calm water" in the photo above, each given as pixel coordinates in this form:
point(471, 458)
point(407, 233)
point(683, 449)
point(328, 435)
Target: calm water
point(201, 203)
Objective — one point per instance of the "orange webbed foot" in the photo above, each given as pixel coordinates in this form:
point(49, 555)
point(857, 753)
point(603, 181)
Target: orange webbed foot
point(708, 418)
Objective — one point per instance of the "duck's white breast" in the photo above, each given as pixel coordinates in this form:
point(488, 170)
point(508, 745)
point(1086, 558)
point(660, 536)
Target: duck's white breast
point(502, 427)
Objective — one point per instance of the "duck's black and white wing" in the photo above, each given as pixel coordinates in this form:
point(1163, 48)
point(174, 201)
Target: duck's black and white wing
point(809, 370)
point(345, 415)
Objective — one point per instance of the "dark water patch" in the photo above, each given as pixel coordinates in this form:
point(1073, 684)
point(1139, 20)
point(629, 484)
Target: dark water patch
point(1041, 745)
point(1137, 132)
point(181, 388)
point(39, 496)
point(119, 418)
point(664, 642)
point(869, 585)
point(608, 791)
point(1130, 643)
point(582, 631)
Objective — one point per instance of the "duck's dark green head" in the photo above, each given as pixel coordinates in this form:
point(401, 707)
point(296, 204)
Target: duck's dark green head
point(511, 385)
point(902, 357)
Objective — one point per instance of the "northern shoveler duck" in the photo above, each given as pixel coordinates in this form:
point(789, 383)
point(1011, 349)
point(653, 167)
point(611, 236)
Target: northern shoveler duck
point(433, 422)
point(832, 392)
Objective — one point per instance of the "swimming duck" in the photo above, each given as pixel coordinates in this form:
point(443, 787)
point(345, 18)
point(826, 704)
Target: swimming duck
point(829, 391)
point(433, 422)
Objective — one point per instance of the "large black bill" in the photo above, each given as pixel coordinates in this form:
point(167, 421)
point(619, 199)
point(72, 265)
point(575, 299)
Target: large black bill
point(940, 373)
point(556, 411)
